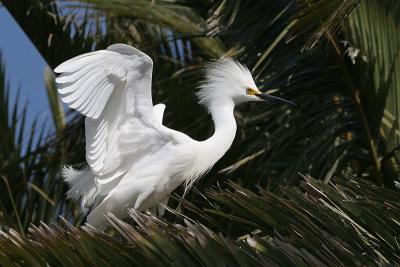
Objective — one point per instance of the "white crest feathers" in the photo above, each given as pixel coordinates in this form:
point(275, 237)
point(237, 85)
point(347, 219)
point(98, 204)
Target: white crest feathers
point(223, 77)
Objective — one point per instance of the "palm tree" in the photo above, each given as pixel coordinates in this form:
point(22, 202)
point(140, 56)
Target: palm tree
point(326, 55)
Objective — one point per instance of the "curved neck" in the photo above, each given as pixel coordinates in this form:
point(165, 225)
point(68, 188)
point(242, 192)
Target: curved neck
point(225, 130)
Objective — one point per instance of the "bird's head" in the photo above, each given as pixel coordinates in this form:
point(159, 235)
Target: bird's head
point(228, 80)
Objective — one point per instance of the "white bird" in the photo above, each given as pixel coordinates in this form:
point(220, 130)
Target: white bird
point(134, 161)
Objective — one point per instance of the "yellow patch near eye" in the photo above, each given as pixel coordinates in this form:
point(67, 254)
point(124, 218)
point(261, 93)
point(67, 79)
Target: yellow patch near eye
point(250, 91)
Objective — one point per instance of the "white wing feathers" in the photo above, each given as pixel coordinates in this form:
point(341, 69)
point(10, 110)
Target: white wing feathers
point(88, 80)
point(112, 88)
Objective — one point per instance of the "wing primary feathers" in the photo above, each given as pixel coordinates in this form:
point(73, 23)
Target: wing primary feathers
point(89, 98)
point(59, 68)
point(84, 100)
point(88, 106)
point(77, 97)
point(103, 100)
point(73, 87)
point(68, 77)
point(95, 105)
point(77, 64)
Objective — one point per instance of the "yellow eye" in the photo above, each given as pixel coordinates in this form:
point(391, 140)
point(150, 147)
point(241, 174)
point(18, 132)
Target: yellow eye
point(250, 91)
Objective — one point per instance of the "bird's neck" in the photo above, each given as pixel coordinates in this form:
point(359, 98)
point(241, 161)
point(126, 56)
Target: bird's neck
point(208, 152)
point(225, 130)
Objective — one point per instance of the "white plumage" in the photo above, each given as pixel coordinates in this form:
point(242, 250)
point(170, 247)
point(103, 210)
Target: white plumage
point(133, 159)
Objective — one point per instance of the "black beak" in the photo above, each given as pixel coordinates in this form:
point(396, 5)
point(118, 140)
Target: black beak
point(275, 99)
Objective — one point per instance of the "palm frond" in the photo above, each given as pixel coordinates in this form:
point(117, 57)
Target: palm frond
point(376, 47)
point(348, 223)
point(57, 110)
point(338, 223)
point(324, 16)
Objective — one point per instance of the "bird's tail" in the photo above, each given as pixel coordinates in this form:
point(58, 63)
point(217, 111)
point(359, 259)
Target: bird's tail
point(83, 186)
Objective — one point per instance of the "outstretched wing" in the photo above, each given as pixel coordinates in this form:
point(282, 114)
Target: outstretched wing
point(112, 88)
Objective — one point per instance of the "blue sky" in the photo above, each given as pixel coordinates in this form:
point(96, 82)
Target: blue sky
point(24, 67)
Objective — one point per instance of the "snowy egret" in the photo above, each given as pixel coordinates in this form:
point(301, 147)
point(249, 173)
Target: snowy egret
point(133, 160)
